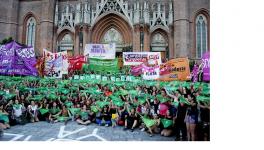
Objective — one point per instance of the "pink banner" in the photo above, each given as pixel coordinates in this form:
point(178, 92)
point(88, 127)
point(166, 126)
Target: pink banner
point(206, 66)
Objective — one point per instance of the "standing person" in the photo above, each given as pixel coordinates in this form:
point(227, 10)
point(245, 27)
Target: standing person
point(180, 126)
point(33, 112)
point(204, 121)
point(191, 119)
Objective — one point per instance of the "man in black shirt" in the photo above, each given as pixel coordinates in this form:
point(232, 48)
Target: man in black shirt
point(180, 126)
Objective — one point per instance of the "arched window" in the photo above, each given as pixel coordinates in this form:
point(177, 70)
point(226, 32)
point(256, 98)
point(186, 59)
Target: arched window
point(201, 35)
point(66, 43)
point(31, 32)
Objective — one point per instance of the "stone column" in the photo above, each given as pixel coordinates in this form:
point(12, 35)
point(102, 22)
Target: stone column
point(146, 39)
point(136, 38)
point(181, 28)
point(47, 24)
point(85, 35)
point(77, 41)
point(55, 38)
point(171, 42)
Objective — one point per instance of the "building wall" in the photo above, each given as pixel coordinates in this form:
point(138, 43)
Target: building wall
point(8, 18)
point(179, 29)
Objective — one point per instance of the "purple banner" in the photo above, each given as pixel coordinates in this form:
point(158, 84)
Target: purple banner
point(16, 59)
point(206, 66)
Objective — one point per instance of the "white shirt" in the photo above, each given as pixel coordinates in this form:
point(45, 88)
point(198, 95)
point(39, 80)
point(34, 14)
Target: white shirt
point(18, 111)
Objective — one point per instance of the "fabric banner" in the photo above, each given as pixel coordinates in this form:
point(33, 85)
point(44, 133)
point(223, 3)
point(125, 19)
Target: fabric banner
point(17, 59)
point(104, 65)
point(65, 63)
point(151, 73)
point(136, 58)
point(100, 51)
point(53, 64)
point(76, 62)
point(137, 70)
point(206, 66)
point(175, 69)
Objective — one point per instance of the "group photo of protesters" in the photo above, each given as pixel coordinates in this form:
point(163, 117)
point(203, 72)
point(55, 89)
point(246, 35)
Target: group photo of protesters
point(157, 97)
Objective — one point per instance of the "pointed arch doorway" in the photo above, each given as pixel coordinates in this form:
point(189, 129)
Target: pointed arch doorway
point(113, 28)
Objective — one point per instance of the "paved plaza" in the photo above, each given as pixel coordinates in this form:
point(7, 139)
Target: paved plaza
point(43, 131)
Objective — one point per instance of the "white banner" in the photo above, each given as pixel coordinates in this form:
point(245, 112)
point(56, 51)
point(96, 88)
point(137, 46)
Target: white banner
point(136, 58)
point(100, 51)
point(151, 73)
point(56, 64)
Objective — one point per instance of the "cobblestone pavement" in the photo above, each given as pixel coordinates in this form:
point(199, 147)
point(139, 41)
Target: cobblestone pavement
point(43, 131)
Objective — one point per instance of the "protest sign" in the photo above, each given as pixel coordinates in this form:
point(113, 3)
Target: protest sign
point(53, 64)
point(175, 69)
point(206, 66)
point(136, 58)
point(151, 73)
point(100, 51)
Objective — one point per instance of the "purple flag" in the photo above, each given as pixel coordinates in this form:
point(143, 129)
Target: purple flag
point(206, 66)
point(16, 59)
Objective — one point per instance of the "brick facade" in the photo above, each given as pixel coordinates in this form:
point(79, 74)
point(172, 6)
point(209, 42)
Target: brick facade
point(137, 17)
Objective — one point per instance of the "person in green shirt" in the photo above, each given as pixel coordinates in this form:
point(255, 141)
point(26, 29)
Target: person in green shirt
point(83, 117)
point(54, 112)
point(4, 119)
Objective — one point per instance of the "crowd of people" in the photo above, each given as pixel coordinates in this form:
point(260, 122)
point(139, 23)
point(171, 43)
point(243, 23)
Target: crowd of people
point(168, 110)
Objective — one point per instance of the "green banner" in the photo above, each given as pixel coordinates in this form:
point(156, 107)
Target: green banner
point(104, 65)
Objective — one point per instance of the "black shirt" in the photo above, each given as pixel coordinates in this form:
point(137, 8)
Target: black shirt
point(181, 112)
point(205, 114)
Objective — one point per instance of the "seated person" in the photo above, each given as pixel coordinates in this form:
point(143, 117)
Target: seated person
point(4, 120)
point(122, 113)
point(53, 112)
point(18, 113)
point(64, 115)
point(167, 131)
point(131, 119)
point(33, 112)
point(104, 117)
point(83, 116)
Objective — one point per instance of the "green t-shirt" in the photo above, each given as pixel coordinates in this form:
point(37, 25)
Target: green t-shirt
point(84, 115)
point(54, 111)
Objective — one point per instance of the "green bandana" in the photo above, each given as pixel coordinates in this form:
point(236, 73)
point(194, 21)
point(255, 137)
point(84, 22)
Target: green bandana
point(166, 122)
point(43, 111)
point(148, 122)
